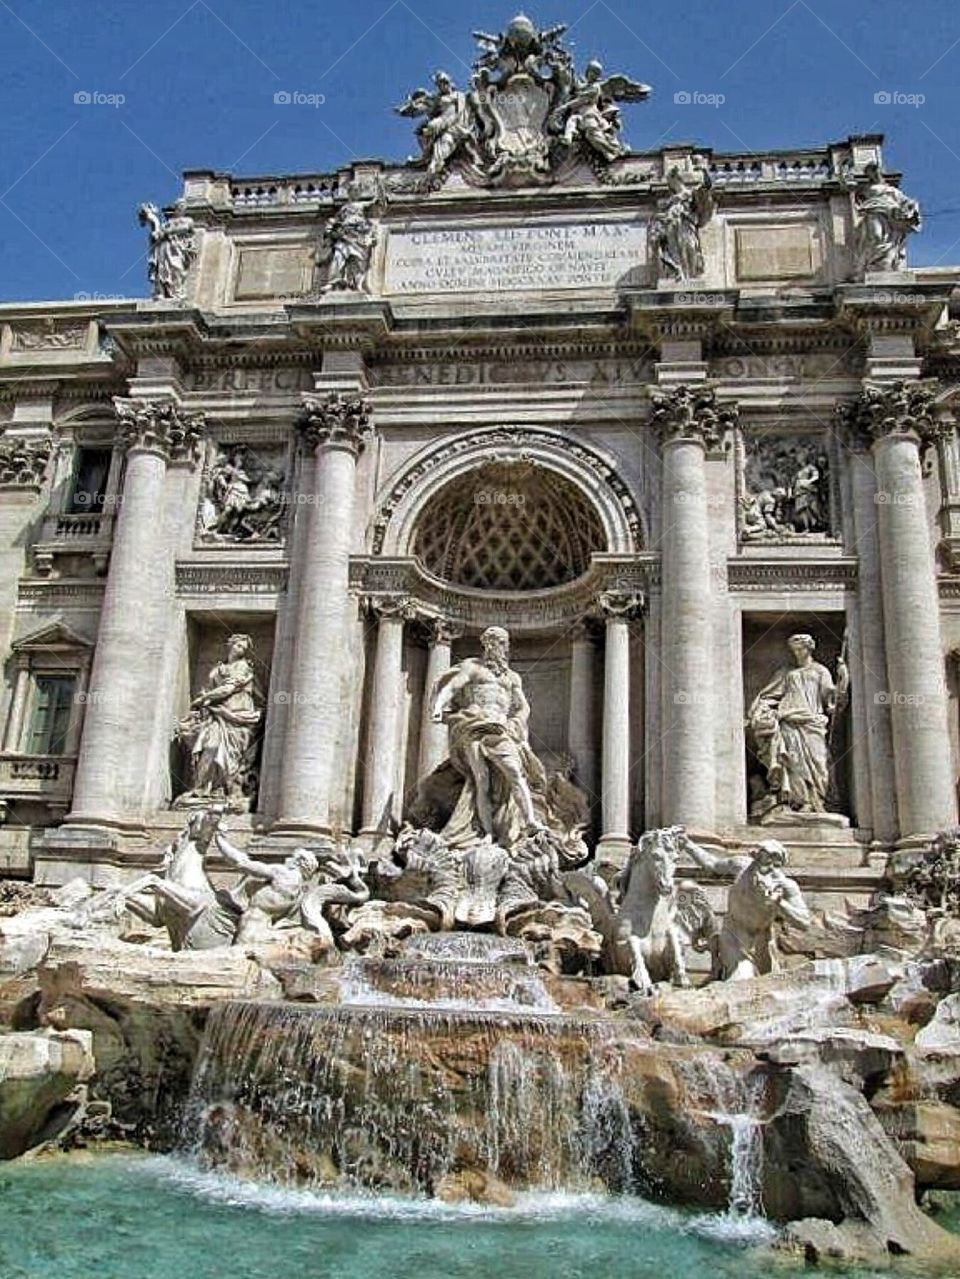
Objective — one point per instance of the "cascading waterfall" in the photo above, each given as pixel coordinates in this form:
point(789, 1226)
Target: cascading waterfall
point(453, 1061)
point(383, 1097)
point(746, 1148)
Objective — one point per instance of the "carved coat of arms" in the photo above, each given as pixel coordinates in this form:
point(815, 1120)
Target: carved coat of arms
point(527, 113)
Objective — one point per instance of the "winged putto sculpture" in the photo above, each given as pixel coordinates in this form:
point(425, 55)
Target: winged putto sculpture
point(526, 114)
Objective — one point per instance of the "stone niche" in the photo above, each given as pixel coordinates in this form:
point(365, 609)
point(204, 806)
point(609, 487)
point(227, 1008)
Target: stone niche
point(765, 651)
point(207, 638)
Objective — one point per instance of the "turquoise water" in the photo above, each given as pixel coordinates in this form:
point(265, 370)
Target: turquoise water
point(151, 1217)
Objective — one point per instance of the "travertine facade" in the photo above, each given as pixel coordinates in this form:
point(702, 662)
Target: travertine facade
point(372, 413)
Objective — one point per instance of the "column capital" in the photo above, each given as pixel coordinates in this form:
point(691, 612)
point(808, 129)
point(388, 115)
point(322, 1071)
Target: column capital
point(404, 608)
point(897, 408)
point(441, 630)
point(692, 413)
point(335, 421)
point(620, 606)
point(159, 426)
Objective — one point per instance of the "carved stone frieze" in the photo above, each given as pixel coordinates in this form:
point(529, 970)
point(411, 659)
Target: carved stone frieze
point(48, 335)
point(23, 462)
point(792, 575)
point(335, 420)
point(161, 426)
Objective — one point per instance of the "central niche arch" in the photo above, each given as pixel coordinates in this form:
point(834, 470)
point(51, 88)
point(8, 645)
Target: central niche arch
point(506, 526)
point(586, 504)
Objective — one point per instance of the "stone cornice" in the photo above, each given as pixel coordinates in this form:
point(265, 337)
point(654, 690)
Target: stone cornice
point(231, 578)
point(754, 574)
point(335, 421)
point(624, 579)
point(450, 350)
point(692, 413)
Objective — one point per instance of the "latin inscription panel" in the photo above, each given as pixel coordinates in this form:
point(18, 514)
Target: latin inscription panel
point(528, 255)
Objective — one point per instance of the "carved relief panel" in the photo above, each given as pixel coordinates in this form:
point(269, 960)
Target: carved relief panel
point(243, 496)
point(785, 487)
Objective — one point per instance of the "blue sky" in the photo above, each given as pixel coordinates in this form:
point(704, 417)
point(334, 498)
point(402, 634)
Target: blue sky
point(198, 79)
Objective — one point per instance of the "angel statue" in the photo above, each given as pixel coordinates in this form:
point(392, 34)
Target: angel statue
point(171, 250)
point(675, 231)
point(450, 126)
point(591, 115)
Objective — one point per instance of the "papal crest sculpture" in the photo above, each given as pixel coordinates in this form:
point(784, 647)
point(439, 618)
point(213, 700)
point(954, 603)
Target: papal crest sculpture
point(526, 113)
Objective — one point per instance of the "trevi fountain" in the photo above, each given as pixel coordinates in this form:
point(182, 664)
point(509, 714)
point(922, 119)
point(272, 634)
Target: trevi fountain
point(480, 726)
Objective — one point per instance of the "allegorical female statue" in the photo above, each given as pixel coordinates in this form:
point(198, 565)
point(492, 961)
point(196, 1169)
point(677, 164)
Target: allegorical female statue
point(675, 231)
point(347, 244)
point(219, 731)
point(788, 723)
point(887, 217)
point(171, 251)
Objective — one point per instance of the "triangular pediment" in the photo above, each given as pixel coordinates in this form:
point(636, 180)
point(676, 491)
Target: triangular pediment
point(51, 634)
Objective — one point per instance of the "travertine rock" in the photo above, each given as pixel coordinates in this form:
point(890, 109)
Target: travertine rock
point(146, 1008)
point(38, 1073)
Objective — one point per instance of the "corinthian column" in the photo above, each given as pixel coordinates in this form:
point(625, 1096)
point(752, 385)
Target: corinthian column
point(334, 430)
point(898, 420)
point(688, 421)
point(117, 729)
point(580, 720)
point(618, 608)
point(381, 789)
point(434, 737)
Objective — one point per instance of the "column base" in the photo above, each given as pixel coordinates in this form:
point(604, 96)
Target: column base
point(105, 855)
point(375, 842)
point(613, 850)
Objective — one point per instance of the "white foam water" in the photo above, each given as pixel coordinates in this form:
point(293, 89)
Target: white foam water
point(271, 1199)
